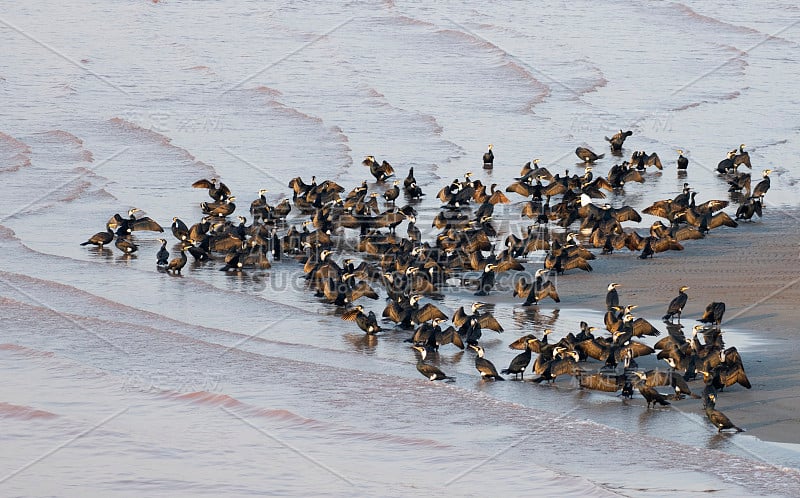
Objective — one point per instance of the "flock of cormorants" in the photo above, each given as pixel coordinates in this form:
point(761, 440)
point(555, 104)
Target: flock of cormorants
point(409, 268)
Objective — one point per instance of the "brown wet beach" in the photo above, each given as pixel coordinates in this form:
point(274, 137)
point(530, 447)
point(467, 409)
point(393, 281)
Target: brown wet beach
point(754, 270)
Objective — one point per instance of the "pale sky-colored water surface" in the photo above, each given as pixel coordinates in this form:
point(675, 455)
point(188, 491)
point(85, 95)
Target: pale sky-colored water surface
point(119, 380)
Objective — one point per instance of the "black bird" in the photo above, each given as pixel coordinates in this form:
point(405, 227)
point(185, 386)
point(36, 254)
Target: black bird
point(125, 244)
point(762, 186)
point(179, 229)
point(380, 171)
point(750, 207)
point(393, 193)
point(742, 157)
point(414, 191)
point(612, 298)
point(713, 313)
point(563, 363)
point(606, 382)
point(676, 305)
point(618, 139)
point(218, 192)
point(488, 158)
point(132, 223)
point(641, 159)
point(176, 264)
point(726, 165)
point(650, 394)
point(201, 252)
point(587, 155)
point(100, 238)
point(683, 162)
point(536, 291)
point(366, 322)
point(719, 419)
point(484, 366)
point(487, 280)
point(520, 362)
point(162, 256)
point(485, 320)
point(409, 179)
point(430, 372)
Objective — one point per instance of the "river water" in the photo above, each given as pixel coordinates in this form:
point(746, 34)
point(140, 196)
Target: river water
point(119, 380)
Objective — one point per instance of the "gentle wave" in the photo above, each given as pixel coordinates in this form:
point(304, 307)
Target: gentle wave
point(8, 410)
point(147, 135)
point(14, 154)
point(283, 415)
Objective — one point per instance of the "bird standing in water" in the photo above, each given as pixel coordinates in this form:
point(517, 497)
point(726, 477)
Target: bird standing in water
point(683, 162)
point(484, 366)
point(487, 280)
point(719, 419)
point(430, 372)
point(162, 256)
point(488, 158)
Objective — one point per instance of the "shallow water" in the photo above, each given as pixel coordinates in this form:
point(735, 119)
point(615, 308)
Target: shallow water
point(121, 380)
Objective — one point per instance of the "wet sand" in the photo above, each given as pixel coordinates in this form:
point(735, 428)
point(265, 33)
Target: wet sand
point(754, 270)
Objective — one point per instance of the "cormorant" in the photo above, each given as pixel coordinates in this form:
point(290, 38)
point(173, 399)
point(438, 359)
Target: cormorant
point(487, 280)
point(392, 193)
point(587, 155)
point(719, 419)
point(366, 322)
point(409, 180)
point(750, 207)
point(618, 139)
point(485, 320)
point(612, 298)
point(726, 164)
point(739, 182)
point(131, 223)
point(179, 229)
point(601, 381)
point(649, 393)
point(537, 290)
point(408, 313)
point(742, 157)
point(100, 238)
point(177, 264)
point(676, 305)
point(414, 191)
point(488, 158)
point(520, 362)
point(641, 159)
point(200, 252)
point(484, 366)
point(218, 192)
point(563, 362)
point(380, 171)
point(125, 245)
point(282, 209)
point(219, 208)
point(683, 162)
point(713, 313)
point(430, 372)
point(162, 256)
point(762, 186)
